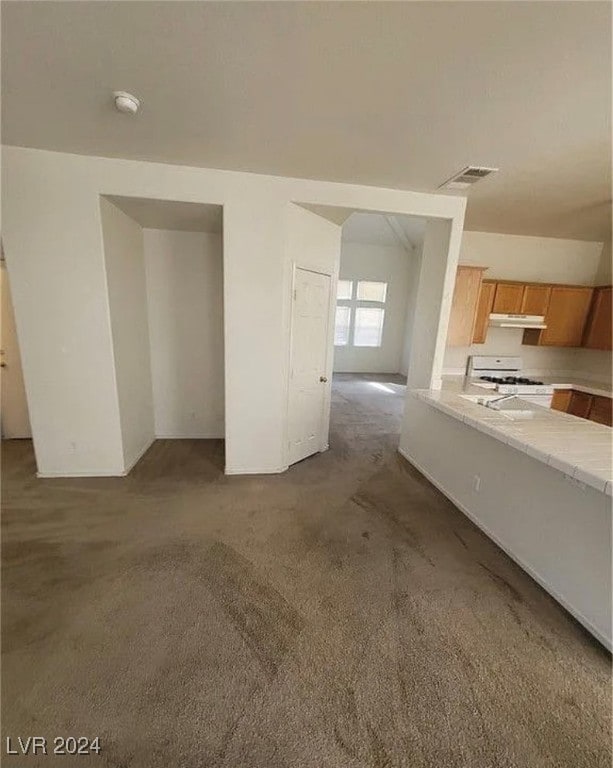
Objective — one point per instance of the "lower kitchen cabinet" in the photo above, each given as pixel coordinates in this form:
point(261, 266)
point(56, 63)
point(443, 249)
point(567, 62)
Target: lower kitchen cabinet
point(593, 407)
point(601, 410)
point(580, 404)
point(561, 399)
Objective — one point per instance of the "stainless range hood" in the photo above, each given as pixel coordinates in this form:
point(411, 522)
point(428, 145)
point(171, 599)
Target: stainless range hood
point(517, 321)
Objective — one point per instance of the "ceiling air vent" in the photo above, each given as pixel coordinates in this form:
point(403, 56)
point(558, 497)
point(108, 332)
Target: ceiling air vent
point(467, 177)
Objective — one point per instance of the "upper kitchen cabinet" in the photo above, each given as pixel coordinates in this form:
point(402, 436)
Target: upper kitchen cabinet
point(571, 317)
point(598, 329)
point(508, 298)
point(464, 306)
point(484, 308)
point(535, 299)
point(513, 298)
point(565, 318)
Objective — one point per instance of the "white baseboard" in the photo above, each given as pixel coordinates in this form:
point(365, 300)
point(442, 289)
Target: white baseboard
point(196, 436)
point(254, 470)
point(139, 455)
point(119, 472)
point(83, 473)
point(525, 566)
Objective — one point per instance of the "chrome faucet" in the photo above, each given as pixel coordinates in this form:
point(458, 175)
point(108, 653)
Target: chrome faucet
point(495, 403)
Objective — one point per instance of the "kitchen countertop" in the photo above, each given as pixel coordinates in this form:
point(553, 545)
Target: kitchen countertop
point(581, 385)
point(455, 383)
point(580, 449)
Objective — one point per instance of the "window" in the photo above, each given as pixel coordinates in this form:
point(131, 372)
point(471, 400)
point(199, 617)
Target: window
point(341, 327)
point(368, 327)
point(360, 313)
point(372, 291)
point(345, 289)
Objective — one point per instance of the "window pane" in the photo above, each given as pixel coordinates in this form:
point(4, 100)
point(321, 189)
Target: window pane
point(345, 289)
point(368, 327)
point(371, 291)
point(341, 327)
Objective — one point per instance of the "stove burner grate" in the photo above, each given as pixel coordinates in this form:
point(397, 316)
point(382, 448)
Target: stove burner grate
point(511, 380)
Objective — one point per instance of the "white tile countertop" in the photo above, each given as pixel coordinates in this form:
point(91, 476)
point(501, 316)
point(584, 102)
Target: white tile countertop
point(456, 382)
point(580, 385)
point(576, 447)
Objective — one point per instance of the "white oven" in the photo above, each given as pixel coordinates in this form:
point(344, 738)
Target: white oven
point(503, 374)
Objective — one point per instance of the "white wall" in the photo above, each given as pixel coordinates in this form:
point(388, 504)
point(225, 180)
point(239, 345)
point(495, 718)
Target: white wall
point(185, 307)
point(391, 265)
point(125, 274)
point(556, 529)
point(414, 277)
point(542, 259)
point(55, 258)
point(54, 254)
point(539, 259)
point(433, 304)
point(605, 267)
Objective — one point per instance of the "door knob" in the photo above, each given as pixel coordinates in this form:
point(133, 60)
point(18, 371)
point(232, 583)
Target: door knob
point(323, 379)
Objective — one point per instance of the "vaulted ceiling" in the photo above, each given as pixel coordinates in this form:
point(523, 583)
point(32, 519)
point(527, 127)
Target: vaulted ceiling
point(379, 229)
point(398, 94)
point(167, 214)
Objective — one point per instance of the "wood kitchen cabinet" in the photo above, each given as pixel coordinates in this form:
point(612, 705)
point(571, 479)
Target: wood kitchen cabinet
point(508, 298)
point(593, 407)
point(535, 299)
point(484, 309)
point(513, 298)
point(580, 404)
point(601, 410)
point(561, 399)
point(571, 317)
point(464, 306)
point(598, 328)
point(565, 318)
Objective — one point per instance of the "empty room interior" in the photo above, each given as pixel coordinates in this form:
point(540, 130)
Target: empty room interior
point(306, 384)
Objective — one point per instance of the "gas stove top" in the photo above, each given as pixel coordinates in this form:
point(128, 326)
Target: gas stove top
point(503, 374)
point(511, 380)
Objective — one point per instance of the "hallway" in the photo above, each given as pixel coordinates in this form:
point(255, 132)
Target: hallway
point(341, 614)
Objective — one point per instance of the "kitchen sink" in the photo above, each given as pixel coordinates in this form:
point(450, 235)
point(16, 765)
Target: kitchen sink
point(510, 406)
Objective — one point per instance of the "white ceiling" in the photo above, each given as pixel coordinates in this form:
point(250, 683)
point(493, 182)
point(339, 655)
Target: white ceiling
point(397, 94)
point(168, 214)
point(375, 229)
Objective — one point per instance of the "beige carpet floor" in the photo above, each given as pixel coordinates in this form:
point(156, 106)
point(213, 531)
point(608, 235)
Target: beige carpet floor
point(340, 615)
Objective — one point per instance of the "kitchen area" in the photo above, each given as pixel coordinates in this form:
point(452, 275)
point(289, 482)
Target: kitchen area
point(503, 375)
point(562, 318)
point(525, 451)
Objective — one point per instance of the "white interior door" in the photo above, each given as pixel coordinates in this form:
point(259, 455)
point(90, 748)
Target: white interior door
point(309, 386)
point(14, 407)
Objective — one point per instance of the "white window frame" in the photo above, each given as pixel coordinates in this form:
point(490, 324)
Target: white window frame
point(354, 303)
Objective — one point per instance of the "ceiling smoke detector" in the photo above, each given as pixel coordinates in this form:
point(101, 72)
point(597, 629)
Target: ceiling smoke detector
point(125, 102)
point(467, 177)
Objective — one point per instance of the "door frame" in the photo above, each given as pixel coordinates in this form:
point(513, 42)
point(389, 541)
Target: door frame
point(327, 401)
point(24, 430)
